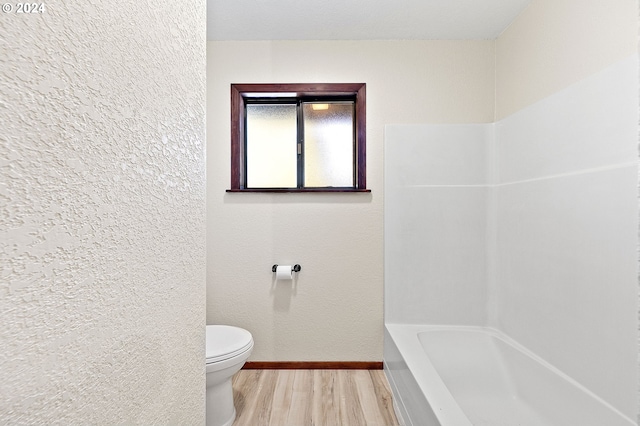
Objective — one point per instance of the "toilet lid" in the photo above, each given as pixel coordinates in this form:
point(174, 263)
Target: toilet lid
point(225, 341)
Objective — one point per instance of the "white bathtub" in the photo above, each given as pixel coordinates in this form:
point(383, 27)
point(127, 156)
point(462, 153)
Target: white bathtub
point(462, 376)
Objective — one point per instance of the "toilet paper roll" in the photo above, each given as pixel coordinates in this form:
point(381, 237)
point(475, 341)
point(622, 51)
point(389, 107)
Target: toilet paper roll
point(284, 272)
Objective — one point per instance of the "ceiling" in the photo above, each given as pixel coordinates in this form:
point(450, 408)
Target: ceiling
point(360, 19)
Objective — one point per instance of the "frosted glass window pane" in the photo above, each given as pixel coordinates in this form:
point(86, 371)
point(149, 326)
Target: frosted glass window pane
point(271, 146)
point(328, 144)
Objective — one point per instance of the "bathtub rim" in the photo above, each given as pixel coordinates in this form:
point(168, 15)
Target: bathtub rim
point(446, 409)
point(443, 404)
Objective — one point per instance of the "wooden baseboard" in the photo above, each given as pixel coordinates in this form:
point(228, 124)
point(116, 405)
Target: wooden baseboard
point(313, 365)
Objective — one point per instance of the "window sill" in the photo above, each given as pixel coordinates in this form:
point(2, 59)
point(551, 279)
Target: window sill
point(294, 190)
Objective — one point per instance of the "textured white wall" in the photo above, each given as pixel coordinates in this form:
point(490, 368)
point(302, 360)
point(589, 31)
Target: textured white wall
point(334, 310)
point(102, 214)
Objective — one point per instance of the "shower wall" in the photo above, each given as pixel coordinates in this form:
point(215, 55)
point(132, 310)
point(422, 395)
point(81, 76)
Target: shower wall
point(527, 225)
point(558, 200)
point(566, 239)
point(566, 201)
point(437, 192)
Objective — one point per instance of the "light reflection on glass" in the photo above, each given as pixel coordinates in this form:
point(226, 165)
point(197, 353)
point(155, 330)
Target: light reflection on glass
point(328, 144)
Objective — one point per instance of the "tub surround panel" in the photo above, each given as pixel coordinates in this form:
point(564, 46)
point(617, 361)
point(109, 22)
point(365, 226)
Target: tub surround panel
point(562, 222)
point(437, 255)
point(566, 267)
point(590, 126)
point(566, 281)
point(585, 126)
point(102, 214)
point(436, 222)
point(544, 247)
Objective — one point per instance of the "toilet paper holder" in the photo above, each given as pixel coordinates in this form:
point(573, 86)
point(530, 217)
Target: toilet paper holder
point(294, 268)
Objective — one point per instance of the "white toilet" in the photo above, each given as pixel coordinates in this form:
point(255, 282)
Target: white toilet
point(227, 350)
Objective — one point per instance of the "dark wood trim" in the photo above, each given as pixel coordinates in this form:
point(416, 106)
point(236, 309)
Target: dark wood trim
point(313, 365)
point(361, 137)
point(297, 89)
point(291, 190)
point(237, 138)
point(241, 91)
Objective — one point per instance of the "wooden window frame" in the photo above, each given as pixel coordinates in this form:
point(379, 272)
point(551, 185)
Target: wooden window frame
point(241, 92)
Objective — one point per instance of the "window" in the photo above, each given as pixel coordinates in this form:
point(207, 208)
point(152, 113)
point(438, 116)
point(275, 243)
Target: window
point(298, 138)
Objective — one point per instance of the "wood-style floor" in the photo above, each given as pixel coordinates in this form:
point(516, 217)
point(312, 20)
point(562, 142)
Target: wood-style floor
point(312, 397)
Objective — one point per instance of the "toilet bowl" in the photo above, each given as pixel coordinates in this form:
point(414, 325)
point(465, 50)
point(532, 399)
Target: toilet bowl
point(227, 349)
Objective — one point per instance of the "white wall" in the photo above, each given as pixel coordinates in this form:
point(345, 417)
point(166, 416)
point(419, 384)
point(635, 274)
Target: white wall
point(334, 310)
point(102, 214)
